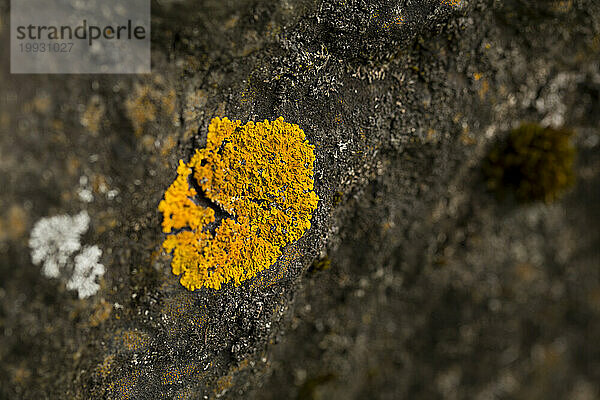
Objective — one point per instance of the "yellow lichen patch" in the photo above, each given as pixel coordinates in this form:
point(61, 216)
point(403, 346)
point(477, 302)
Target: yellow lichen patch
point(452, 3)
point(20, 375)
point(223, 385)
point(13, 223)
point(178, 374)
point(105, 368)
point(562, 6)
point(225, 382)
point(397, 20)
point(322, 264)
point(41, 103)
point(150, 103)
point(261, 176)
point(183, 309)
point(101, 313)
point(122, 388)
point(93, 114)
point(171, 377)
point(134, 340)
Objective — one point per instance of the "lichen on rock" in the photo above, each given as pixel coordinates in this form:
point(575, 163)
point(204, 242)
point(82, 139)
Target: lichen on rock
point(261, 176)
point(53, 242)
point(535, 163)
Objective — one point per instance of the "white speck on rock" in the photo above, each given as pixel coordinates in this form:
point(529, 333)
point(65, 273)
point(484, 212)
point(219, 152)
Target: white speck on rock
point(85, 195)
point(111, 194)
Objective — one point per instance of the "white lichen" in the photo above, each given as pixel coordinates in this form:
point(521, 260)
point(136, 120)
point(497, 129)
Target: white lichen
point(84, 191)
point(86, 270)
point(85, 195)
point(54, 239)
point(53, 242)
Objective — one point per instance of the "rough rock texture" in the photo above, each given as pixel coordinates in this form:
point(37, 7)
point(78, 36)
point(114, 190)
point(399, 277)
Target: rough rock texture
point(436, 288)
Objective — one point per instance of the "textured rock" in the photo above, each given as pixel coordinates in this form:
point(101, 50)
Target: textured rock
point(436, 288)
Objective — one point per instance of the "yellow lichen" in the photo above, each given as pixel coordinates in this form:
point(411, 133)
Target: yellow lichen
point(105, 368)
point(93, 115)
point(178, 373)
point(261, 176)
point(149, 104)
point(322, 264)
point(182, 307)
point(13, 223)
point(134, 340)
point(451, 3)
point(123, 387)
point(101, 313)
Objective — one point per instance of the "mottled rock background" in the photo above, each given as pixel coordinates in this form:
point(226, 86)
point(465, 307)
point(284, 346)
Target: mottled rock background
point(436, 288)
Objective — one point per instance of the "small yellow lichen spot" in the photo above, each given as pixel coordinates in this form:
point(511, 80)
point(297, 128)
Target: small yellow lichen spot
point(451, 3)
point(261, 176)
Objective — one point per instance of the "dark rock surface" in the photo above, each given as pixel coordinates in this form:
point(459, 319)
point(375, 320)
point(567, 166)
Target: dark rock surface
point(436, 289)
